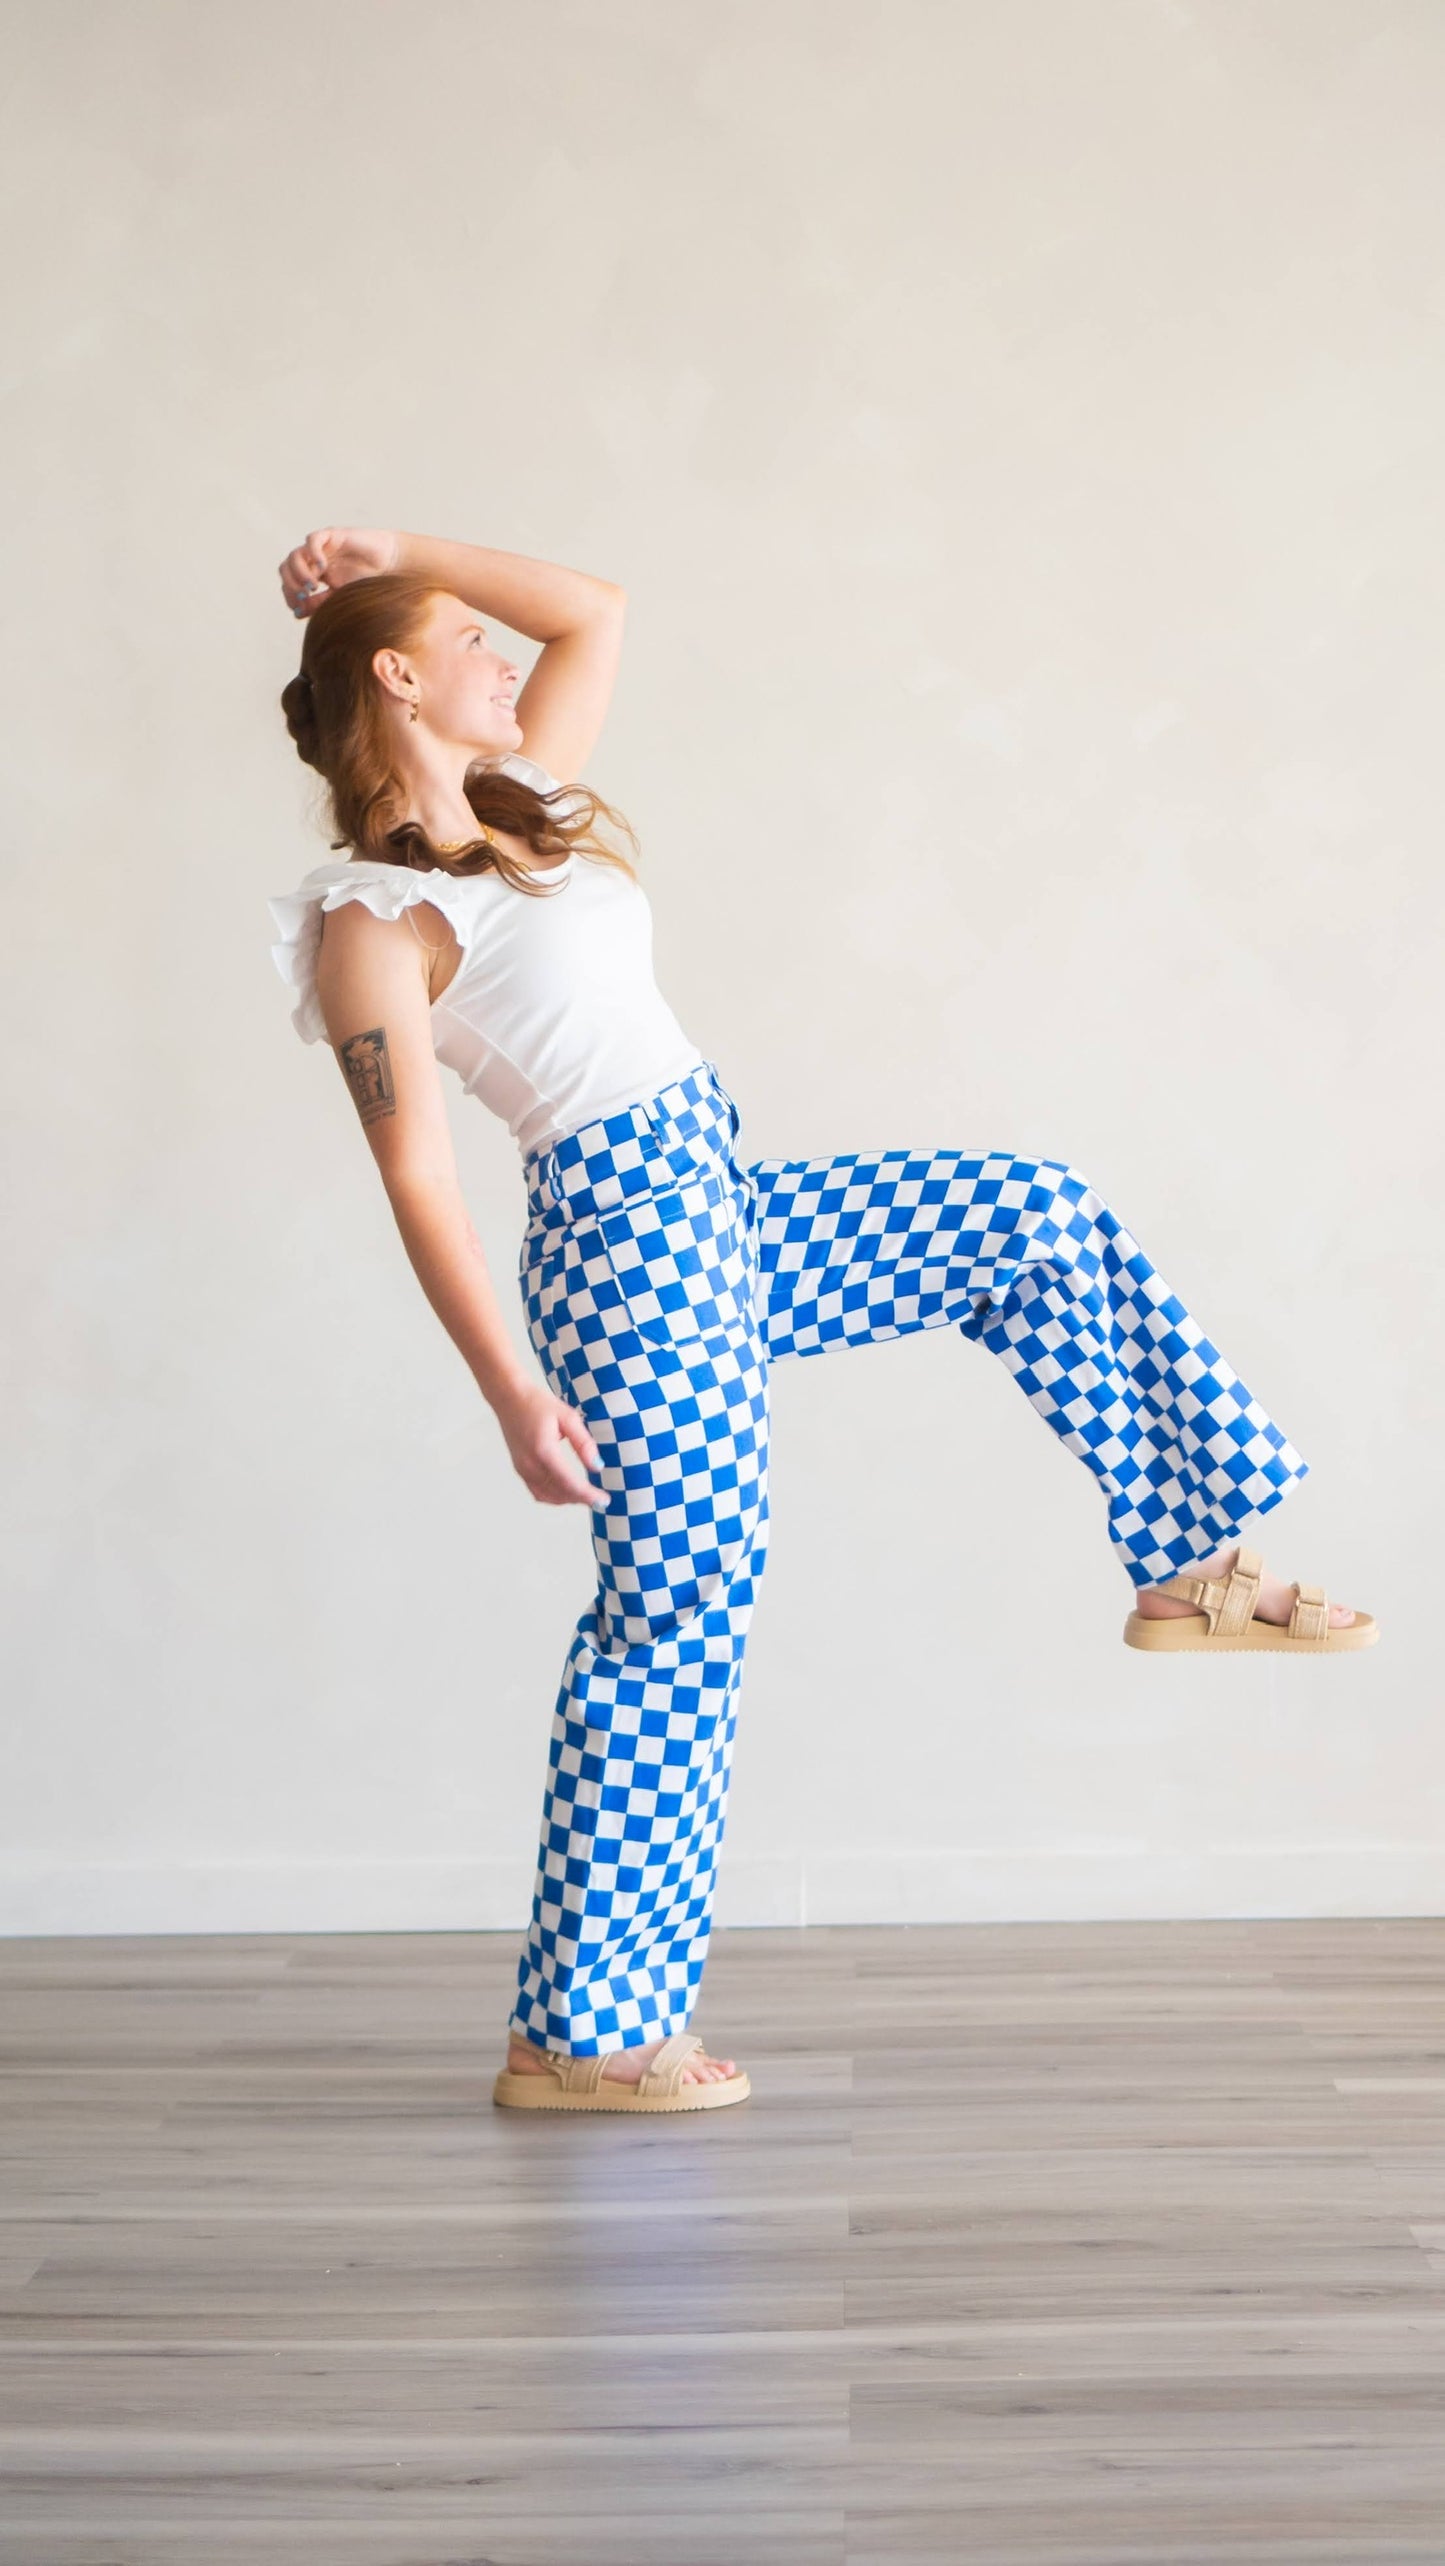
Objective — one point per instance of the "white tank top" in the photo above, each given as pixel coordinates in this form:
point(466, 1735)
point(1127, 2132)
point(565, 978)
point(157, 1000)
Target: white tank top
point(552, 1016)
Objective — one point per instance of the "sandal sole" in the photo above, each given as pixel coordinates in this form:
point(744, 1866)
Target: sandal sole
point(1173, 1631)
point(518, 2093)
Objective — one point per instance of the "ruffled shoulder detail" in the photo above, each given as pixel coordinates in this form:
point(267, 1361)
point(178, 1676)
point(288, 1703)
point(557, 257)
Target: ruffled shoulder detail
point(386, 889)
point(527, 771)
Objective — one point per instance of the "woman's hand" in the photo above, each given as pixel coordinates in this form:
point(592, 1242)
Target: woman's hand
point(541, 1433)
point(327, 559)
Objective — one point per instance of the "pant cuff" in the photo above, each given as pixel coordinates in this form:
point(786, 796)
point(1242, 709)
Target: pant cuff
point(1217, 1529)
point(636, 2036)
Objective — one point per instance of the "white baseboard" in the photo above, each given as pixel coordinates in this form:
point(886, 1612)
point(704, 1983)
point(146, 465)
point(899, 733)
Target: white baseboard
point(1031, 1885)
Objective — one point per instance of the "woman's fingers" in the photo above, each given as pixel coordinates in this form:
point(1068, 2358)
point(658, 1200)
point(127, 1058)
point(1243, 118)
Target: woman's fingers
point(305, 569)
point(299, 583)
point(575, 1428)
point(544, 1457)
point(571, 1429)
point(564, 1485)
point(329, 557)
point(542, 1434)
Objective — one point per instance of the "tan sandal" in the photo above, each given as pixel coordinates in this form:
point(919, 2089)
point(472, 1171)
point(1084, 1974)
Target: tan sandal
point(580, 2085)
point(1226, 1617)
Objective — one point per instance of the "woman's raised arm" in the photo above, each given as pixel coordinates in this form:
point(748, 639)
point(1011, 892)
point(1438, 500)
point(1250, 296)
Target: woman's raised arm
point(578, 620)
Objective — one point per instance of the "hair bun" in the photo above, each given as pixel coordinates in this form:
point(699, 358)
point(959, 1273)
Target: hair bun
point(298, 703)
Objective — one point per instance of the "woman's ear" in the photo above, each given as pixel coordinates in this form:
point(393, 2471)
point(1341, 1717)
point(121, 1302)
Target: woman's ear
point(392, 672)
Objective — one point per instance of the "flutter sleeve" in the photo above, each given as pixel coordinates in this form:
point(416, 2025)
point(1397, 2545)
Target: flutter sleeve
point(386, 889)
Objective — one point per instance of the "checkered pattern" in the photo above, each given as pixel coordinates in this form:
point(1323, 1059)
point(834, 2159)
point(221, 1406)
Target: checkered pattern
point(661, 1279)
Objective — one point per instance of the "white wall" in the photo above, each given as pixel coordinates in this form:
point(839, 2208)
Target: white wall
point(1019, 433)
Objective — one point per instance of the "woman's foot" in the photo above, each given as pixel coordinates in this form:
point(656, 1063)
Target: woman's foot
point(1275, 1597)
point(626, 2064)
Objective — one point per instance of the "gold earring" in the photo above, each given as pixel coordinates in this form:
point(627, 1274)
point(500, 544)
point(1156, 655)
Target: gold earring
point(414, 707)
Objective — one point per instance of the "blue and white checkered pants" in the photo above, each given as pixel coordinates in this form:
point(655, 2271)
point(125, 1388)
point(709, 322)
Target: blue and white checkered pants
point(661, 1278)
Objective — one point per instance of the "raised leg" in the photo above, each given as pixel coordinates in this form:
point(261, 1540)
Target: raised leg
point(1025, 1257)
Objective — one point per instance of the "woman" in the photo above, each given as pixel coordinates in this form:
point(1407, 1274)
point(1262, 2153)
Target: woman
point(481, 922)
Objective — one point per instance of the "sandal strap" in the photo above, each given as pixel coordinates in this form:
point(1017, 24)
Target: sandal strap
point(664, 2074)
point(576, 2074)
point(1227, 1602)
point(1310, 1613)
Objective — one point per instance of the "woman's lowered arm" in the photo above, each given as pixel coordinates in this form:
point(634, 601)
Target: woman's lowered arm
point(372, 991)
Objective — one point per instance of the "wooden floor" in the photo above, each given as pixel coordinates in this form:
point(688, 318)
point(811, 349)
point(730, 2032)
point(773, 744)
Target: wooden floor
point(1060, 2245)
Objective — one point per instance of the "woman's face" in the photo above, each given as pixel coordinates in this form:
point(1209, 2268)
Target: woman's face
point(466, 687)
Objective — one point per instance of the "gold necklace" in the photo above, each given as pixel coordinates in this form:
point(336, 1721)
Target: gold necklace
point(453, 846)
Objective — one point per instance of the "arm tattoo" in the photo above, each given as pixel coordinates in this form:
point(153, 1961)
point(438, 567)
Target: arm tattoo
point(367, 1064)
